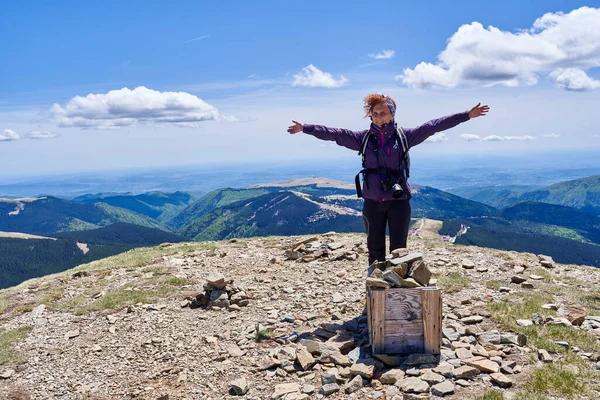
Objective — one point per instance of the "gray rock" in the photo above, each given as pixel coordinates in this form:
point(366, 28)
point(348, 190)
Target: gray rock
point(544, 356)
point(216, 280)
point(218, 298)
point(329, 389)
point(417, 359)
point(378, 283)
point(492, 337)
point(524, 322)
point(409, 259)
point(409, 283)
point(501, 380)
point(392, 376)
point(355, 384)
point(414, 385)
point(239, 386)
point(7, 373)
point(474, 319)
point(465, 372)
point(420, 273)
point(450, 334)
point(468, 264)
point(432, 378)
point(392, 277)
point(442, 389)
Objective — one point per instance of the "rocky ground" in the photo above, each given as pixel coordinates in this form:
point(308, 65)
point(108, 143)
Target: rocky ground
point(282, 318)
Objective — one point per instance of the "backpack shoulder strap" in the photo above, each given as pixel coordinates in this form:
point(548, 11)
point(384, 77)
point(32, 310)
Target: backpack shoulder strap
point(405, 157)
point(363, 146)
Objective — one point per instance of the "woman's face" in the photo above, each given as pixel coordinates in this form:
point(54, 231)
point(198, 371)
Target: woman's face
point(381, 114)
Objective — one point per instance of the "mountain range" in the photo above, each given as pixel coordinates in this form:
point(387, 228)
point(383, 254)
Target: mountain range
point(562, 219)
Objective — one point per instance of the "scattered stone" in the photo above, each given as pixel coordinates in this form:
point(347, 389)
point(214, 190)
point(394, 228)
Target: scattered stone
point(409, 283)
point(442, 389)
point(524, 322)
point(239, 386)
point(355, 384)
point(575, 314)
point(409, 259)
point(482, 364)
point(527, 285)
point(329, 389)
point(517, 279)
point(338, 298)
point(550, 307)
point(466, 372)
point(392, 376)
point(216, 280)
point(380, 283)
point(468, 264)
point(544, 356)
point(501, 380)
point(563, 344)
point(504, 289)
point(392, 277)
point(450, 334)
point(7, 373)
point(363, 368)
point(432, 378)
point(420, 273)
point(536, 277)
point(72, 334)
point(285, 388)
point(414, 385)
point(474, 319)
point(418, 359)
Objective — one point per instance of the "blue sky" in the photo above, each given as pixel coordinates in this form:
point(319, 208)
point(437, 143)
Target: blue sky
point(223, 79)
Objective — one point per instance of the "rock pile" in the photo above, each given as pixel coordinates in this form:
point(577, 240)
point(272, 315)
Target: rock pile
point(219, 293)
point(315, 248)
point(400, 269)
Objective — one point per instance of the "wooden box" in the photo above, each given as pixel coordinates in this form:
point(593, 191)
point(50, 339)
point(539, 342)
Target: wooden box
point(405, 321)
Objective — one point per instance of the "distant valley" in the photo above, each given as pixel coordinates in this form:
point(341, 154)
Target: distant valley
point(561, 220)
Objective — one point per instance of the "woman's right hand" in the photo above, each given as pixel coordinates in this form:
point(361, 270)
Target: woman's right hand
point(297, 127)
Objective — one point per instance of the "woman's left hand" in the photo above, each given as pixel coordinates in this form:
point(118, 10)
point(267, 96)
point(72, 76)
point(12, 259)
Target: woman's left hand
point(478, 110)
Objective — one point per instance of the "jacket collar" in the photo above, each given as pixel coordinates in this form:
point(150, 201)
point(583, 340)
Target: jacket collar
point(387, 129)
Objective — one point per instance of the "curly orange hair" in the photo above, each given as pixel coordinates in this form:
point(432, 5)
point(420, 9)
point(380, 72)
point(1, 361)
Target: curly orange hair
point(372, 100)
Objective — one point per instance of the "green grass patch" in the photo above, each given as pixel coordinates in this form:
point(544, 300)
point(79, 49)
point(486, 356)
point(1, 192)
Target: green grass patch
point(120, 298)
point(495, 284)
point(9, 356)
point(491, 395)
point(156, 270)
point(557, 379)
point(453, 282)
point(142, 256)
point(264, 334)
point(179, 282)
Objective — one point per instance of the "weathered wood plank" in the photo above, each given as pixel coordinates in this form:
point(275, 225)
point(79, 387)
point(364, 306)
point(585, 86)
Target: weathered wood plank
point(432, 320)
point(369, 316)
point(403, 304)
point(402, 337)
point(378, 310)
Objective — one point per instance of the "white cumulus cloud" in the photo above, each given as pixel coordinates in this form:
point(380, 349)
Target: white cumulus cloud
point(551, 135)
point(313, 77)
point(384, 55)
point(567, 44)
point(496, 138)
point(469, 137)
point(38, 135)
point(438, 138)
point(125, 107)
point(574, 79)
point(9, 135)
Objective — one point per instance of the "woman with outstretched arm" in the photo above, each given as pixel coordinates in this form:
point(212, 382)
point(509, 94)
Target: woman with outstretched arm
point(384, 148)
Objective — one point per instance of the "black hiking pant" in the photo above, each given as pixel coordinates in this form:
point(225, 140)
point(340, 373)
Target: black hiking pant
point(376, 214)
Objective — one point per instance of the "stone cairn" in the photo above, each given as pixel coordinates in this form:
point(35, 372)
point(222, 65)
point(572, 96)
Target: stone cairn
point(400, 269)
point(220, 293)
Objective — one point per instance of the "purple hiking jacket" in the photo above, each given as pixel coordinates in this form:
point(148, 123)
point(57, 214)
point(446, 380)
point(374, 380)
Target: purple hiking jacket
point(389, 153)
